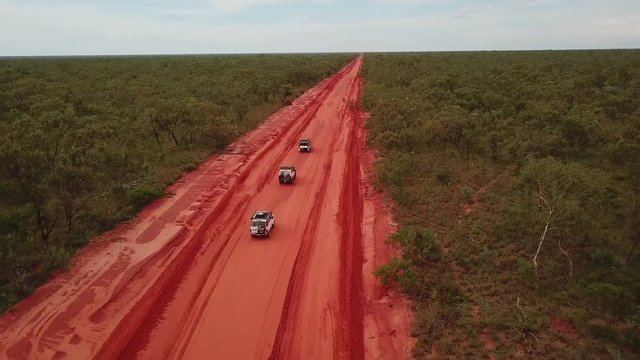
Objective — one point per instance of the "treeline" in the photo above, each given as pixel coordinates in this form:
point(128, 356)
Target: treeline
point(86, 142)
point(517, 182)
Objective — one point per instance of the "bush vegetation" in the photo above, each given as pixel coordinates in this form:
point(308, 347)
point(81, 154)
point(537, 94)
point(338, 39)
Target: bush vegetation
point(524, 169)
point(87, 142)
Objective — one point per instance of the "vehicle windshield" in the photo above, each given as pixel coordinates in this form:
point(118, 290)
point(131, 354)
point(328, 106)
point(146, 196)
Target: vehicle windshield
point(258, 223)
point(285, 172)
point(304, 142)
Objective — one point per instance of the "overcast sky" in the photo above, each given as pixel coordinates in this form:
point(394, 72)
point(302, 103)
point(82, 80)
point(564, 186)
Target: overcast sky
point(87, 27)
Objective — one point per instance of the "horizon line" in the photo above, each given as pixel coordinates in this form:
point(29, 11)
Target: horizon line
point(311, 53)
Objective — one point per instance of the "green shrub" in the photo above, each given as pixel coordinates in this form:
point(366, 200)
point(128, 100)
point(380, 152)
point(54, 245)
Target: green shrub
point(13, 220)
point(467, 193)
point(604, 259)
point(449, 292)
point(611, 298)
point(190, 167)
point(614, 353)
point(19, 286)
point(60, 257)
point(631, 336)
point(603, 332)
point(433, 320)
point(420, 245)
point(525, 269)
point(399, 272)
point(578, 316)
point(142, 195)
point(444, 177)
point(631, 333)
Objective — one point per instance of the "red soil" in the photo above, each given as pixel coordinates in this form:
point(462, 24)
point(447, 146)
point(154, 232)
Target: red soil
point(387, 313)
point(185, 279)
point(564, 327)
point(487, 339)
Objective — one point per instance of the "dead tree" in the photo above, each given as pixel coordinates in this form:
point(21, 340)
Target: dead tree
point(551, 208)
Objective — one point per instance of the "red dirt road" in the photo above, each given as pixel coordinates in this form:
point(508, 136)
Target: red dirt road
point(186, 280)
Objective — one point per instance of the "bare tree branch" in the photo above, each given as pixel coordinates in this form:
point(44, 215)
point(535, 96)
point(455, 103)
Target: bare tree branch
point(519, 307)
point(566, 254)
point(547, 226)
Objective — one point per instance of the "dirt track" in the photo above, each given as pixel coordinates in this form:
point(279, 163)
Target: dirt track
point(186, 280)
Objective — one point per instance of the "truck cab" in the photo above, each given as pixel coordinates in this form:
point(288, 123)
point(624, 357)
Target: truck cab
point(262, 222)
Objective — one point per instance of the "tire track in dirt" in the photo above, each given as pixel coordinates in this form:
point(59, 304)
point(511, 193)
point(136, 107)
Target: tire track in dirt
point(260, 297)
point(304, 217)
point(128, 329)
point(284, 344)
point(350, 337)
point(285, 142)
point(341, 315)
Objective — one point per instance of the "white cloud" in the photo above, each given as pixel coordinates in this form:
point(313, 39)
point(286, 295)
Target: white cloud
point(239, 5)
point(411, 2)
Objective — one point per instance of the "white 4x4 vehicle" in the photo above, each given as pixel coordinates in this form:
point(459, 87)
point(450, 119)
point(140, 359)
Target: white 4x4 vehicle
point(287, 174)
point(304, 145)
point(262, 222)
